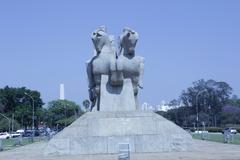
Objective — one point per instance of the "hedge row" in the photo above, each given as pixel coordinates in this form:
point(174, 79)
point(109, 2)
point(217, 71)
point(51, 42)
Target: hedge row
point(212, 129)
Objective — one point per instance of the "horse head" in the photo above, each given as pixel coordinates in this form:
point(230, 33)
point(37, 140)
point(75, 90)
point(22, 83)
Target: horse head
point(128, 41)
point(100, 38)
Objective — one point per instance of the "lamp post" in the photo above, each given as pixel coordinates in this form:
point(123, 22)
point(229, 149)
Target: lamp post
point(32, 114)
point(197, 118)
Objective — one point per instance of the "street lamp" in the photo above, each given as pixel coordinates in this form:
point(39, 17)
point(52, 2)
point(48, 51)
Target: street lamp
point(200, 92)
point(32, 114)
point(215, 90)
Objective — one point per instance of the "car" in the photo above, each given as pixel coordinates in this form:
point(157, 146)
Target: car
point(29, 133)
point(201, 132)
point(229, 130)
point(15, 134)
point(20, 131)
point(4, 135)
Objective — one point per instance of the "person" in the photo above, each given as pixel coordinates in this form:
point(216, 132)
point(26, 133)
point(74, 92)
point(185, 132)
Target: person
point(48, 132)
point(226, 136)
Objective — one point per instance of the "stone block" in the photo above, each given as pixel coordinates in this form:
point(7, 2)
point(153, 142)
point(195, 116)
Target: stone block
point(114, 141)
point(58, 146)
point(118, 98)
point(88, 145)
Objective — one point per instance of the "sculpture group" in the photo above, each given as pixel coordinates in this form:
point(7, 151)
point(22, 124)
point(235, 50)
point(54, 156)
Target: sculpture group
point(118, 64)
point(114, 80)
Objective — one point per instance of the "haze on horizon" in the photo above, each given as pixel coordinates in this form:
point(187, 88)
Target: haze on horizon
point(45, 43)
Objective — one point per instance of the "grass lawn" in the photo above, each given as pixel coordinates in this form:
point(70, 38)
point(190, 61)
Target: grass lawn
point(14, 142)
point(217, 137)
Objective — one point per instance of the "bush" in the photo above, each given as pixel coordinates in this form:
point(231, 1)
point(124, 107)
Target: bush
point(66, 121)
point(214, 129)
point(209, 129)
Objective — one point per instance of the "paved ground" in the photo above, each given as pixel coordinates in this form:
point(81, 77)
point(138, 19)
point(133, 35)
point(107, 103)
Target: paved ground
point(205, 151)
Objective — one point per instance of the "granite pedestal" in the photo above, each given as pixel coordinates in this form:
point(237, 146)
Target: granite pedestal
point(102, 132)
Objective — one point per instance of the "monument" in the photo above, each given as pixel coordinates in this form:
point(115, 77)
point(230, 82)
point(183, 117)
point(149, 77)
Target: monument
point(114, 81)
point(114, 75)
point(62, 93)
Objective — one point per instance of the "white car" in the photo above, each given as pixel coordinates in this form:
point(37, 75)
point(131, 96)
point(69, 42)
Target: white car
point(4, 135)
point(20, 131)
point(13, 135)
point(232, 130)
point(229, 130)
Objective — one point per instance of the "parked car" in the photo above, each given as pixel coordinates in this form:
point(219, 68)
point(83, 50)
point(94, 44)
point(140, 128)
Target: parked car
point(230, 130)
point(15, 134)
point(20, 131)
point(201, 132)
point(29, 133)
point(4, 135)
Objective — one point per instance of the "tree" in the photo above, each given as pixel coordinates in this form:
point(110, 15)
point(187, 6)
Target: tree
point(62, 113)
point(15, 103)
point(230, 115)
point(207, 97)
point(205, 101)
point(235, 101)
point(174, 103)
point(179, 115)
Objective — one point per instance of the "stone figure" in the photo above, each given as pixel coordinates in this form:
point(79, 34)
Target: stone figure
point(101, 64)
point(132, 66)
point(118, 67)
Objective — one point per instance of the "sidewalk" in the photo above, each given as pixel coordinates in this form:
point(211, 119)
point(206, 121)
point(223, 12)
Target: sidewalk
point(205, 151)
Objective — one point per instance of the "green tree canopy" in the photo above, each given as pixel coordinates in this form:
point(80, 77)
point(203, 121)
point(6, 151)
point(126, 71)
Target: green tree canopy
point(18, 103)
point(207, 95)
point(203, 102)
point(235, 101)
point(62, 112)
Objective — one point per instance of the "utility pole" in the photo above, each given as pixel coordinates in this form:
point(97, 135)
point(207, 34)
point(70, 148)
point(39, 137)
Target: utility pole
point(12, 122)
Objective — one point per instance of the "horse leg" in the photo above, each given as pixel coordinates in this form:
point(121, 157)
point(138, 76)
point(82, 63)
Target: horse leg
point(98, 103)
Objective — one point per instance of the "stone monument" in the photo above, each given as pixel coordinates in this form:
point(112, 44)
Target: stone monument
point(120, 68)
point(114, 80)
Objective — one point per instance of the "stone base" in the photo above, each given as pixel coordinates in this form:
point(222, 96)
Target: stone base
point(102, 132)
point(117, 98)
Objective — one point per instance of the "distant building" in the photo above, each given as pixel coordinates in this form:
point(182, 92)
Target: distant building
point(160, 107)
point(144, 106)
point(163, 106)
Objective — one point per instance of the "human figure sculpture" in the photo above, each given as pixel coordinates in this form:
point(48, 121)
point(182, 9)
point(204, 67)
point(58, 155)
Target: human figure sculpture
point(117, 66)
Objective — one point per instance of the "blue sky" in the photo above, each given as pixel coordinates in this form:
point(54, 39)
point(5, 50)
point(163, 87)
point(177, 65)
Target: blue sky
point(45, 43)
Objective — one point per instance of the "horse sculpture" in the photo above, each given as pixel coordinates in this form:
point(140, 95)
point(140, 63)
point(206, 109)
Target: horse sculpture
point(103, 63)
point(116, 66)
point(132, 66)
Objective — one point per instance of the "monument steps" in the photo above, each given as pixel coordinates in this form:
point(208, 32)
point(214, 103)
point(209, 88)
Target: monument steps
point(102, 132)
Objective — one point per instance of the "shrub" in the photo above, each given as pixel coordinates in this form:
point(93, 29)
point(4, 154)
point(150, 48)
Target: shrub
point(214, 129)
